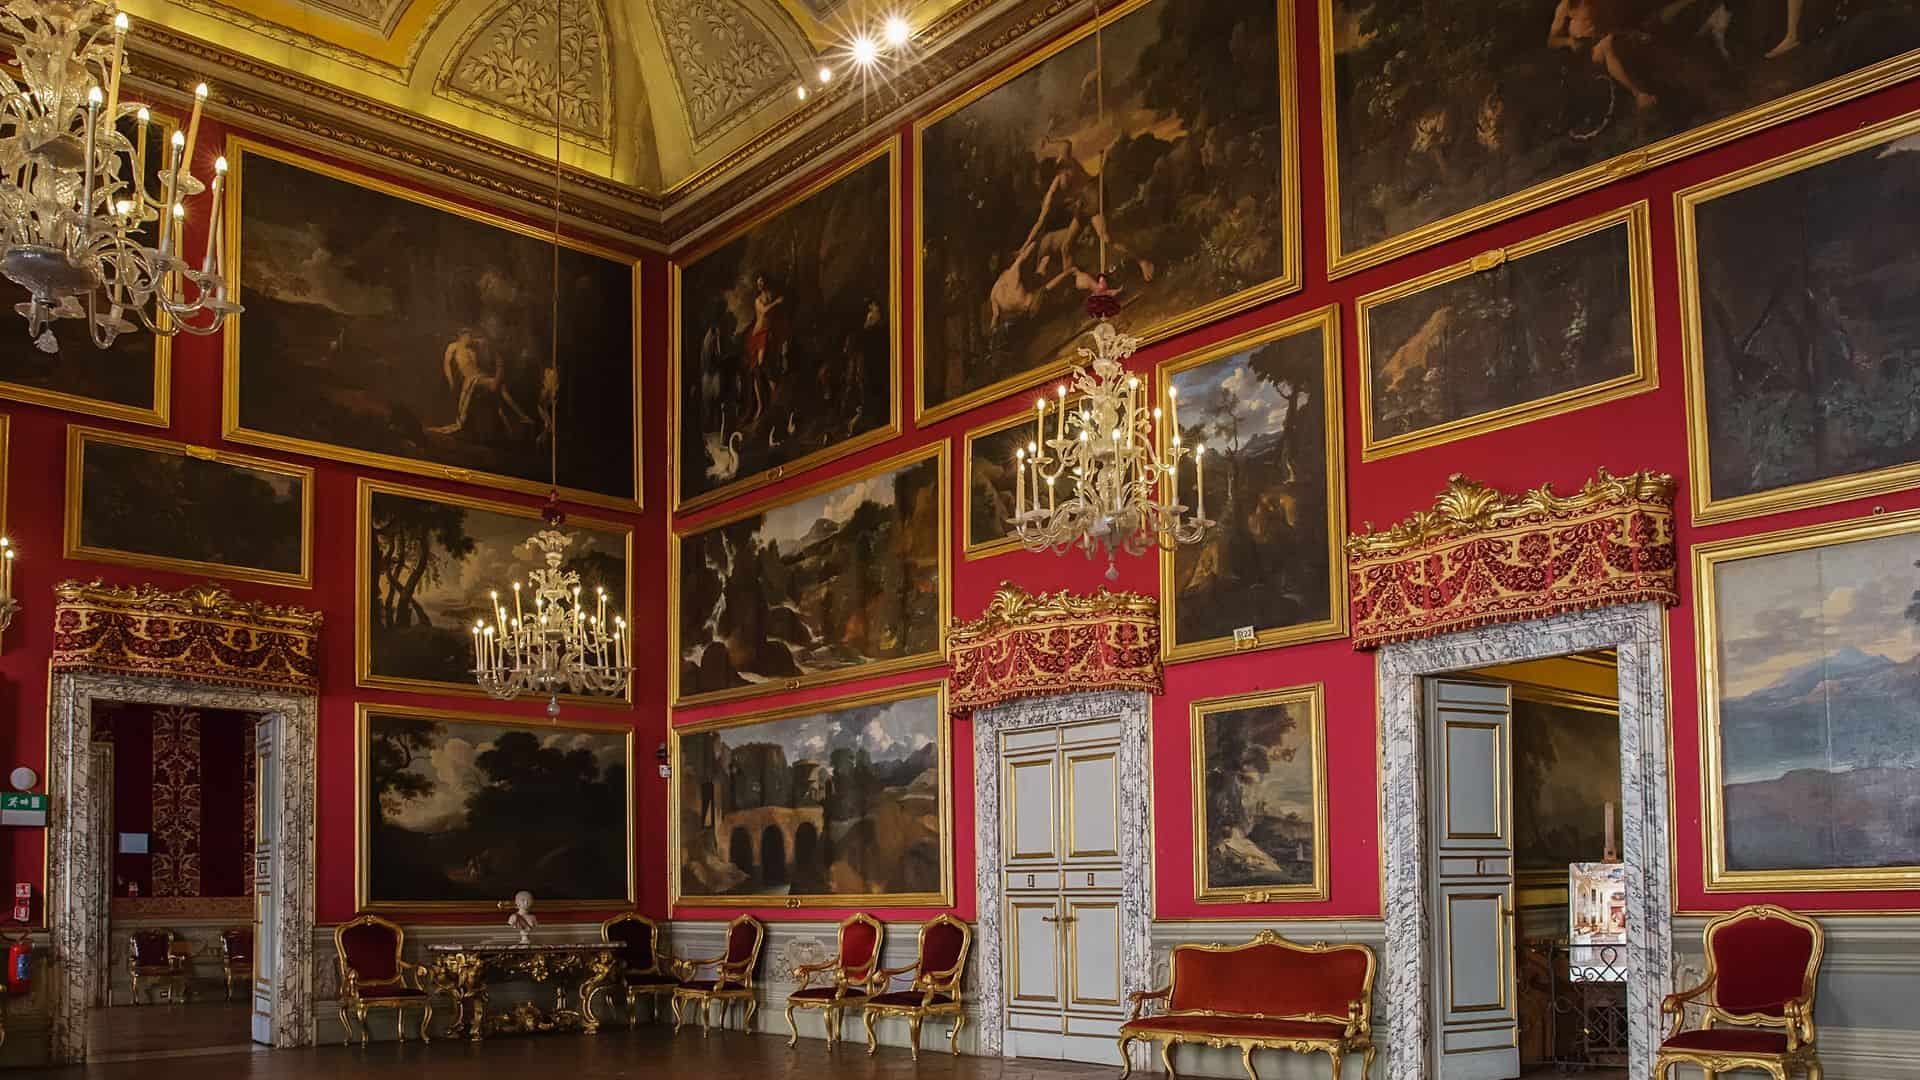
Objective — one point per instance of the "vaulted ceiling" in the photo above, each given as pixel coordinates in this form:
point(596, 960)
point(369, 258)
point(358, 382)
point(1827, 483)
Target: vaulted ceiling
point(652, 93)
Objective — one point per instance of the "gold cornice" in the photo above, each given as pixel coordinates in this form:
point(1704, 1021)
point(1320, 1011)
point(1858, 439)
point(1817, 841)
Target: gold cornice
point(208, 603)
point(1014, 608)
point(1467, 507)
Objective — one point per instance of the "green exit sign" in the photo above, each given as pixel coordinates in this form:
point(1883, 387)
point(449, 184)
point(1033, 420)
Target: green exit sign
point(22, 808)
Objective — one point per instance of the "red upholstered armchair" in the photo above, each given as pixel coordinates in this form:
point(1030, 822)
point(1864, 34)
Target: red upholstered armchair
point(732, 980)
point(846, 978)
point(640, 961)
point(236, 955)
point(372, 976)
point(151, 957)
point(936, 984)
point(1762, 962)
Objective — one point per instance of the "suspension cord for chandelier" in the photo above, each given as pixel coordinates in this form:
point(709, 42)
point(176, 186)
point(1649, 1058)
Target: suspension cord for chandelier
point(1100, 127)
point(553, 422)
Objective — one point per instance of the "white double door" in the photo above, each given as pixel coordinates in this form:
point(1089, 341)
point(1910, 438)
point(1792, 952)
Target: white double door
point(1061, 877)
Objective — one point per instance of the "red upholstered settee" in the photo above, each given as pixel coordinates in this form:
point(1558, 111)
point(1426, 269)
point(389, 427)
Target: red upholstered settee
point(1269, 994)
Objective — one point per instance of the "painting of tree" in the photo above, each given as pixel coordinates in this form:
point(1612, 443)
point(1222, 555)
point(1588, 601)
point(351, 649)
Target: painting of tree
point(429, 562)
point(1260, 796)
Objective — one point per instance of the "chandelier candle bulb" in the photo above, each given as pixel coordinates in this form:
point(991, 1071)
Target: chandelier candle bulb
point(119, 56)
point(193, 123)
point(1019, 482)
point(145, 117)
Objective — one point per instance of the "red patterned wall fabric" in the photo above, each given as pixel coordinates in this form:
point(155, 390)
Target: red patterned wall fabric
point(201, 633)
point(181, 776)
point(1027, 646)
point(1481, 557)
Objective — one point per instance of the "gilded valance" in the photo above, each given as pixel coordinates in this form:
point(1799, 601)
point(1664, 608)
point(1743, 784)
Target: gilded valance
point(202, 634)
point(1027, 646)
point(1481, 556)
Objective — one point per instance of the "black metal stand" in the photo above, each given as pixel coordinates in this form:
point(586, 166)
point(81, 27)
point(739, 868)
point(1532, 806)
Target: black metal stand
point(1589, 993)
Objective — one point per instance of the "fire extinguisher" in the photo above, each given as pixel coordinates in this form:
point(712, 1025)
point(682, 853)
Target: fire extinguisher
point(20, 965)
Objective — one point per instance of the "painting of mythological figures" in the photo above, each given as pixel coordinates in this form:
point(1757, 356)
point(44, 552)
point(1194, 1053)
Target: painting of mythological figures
point(127, 380)
point(785, 349)
point(386, 328)
point(1446, 118)
point(845, 579)
point(427, 563)
point(1266, 406)
point(1174, 176)
point(459, 810)
point(1803, 351)
point(1556, 323)
point(1810, 698)
point(826, 804)
point(1260, 797)
point(167, 505)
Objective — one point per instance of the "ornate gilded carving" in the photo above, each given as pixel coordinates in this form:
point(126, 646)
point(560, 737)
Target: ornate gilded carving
point(1481, 556)
point(1024, 645)
point(504, 65)
point(200, 633)
point(725, 63)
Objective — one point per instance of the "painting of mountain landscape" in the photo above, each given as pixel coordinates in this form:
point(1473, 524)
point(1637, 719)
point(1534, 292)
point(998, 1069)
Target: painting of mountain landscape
point(830, 804)
point(1818, 705)
point(839, 581)
point(1258, 794)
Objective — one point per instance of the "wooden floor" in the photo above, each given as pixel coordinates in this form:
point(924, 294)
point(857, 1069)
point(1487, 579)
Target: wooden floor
point(196, 1027)
point(648, 1052)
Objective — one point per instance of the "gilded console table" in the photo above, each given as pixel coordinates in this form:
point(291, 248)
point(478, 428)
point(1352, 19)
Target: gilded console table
point(463, 972)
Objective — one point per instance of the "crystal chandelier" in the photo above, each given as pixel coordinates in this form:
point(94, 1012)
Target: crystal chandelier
point(75, 194)
point(1121, 492)
point(561, 646)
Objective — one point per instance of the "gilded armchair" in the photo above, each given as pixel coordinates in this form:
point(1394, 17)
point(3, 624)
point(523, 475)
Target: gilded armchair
point(1762, 963)
point(733, 976)
point(641, 974)
point(236, 956)
point(372, 976)
point(935, 991)
point(846, 979)
point(151, 958)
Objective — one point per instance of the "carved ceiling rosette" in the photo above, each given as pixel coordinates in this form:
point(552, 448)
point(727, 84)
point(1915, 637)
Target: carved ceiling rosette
point(1028, 646)
point(726, 63)
point(1481, 556)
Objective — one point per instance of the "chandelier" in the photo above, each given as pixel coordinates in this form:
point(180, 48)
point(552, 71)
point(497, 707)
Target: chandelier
point(560, 646)
point(74, 191)
point(1121, 493)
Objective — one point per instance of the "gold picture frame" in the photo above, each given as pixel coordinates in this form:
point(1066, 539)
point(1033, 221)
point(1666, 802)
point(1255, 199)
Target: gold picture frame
point(936, 451)
point(362, 823)
point(1644, 377)
point(1707, 558)
point(364, 676)
point(238, 149)
point(1686, 203)
point(1341, 263)
point(1289, 281)
point(74, 545)
point(889, 149)
point(1313, 697)
point(936, 689)
point(1326, 320)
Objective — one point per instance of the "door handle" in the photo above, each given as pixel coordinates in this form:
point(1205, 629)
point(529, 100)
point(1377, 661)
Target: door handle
point(1057, 918)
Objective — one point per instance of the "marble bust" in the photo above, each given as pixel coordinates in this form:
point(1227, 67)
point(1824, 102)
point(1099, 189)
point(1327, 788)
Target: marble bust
point(522, 918)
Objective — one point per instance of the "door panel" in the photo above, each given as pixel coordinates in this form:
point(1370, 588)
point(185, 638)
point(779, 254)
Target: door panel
point(1093, 804)
point(1032, 817)
point(1475, 758)
point(1475, 929)
point(266, 834)
point(1032, 946)
point(1093, 953)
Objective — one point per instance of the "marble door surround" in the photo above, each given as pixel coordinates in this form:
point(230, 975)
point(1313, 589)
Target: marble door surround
point(1131, 709)
point(77, 873)
point(1637, 632)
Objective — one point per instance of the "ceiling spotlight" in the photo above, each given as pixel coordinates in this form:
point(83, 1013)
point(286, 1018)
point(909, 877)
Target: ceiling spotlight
point(801, 92)
point(826, 75)
point(865, 52)
point(898, 32)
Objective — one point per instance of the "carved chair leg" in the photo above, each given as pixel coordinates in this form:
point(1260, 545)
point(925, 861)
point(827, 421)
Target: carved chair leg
point(400, 1023)
point(1814, 1071)
point(753, 1006)
point(913, 1035)
point(1334, 1057)
point(873, 1044)
point(1126, 1058)
point(1166, 1058)
point(678, 1019)
point(833, 1027)
point(1366, 1063)
point(953, 1036)
point(346, 1029)
point(360, 1014)
point(1246, 1061)
point(793, 1032)
point(706, 1018)
point(426, 1022)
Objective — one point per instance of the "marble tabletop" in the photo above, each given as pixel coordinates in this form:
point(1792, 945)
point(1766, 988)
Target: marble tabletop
point(523, 947)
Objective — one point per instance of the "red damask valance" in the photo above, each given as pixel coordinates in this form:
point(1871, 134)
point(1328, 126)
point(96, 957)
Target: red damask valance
point(1481, 557)
point(1028, 646)
point(201, 633)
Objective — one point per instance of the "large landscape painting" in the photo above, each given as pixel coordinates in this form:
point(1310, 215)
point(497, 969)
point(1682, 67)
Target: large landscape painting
point(1260, 797)
point(842, 580)
point(427, 564)
point(148, 502)
point(1184, 183)
point(1267, 409)
point(1444, 116)
point(786, 337)
point(1815, 703)
point(459, 811)
point(1566, 774)
point(1559, 322)
point(1804, 343)
point(391, 332)
point(845, 803)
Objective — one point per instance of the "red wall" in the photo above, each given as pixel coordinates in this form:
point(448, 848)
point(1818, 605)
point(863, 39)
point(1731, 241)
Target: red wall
point(35, 499)
point(1646, 431)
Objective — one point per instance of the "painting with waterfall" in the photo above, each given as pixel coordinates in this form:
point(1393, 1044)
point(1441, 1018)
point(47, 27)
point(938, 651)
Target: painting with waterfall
point(843, 579)
point(829, 804)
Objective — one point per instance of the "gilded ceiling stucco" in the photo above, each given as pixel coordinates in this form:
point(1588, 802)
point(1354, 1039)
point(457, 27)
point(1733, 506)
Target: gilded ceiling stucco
point(725, 62)
point(506, 66)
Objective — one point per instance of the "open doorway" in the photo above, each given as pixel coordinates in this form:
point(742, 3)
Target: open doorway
point(177, 787)
point(1568, 963)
